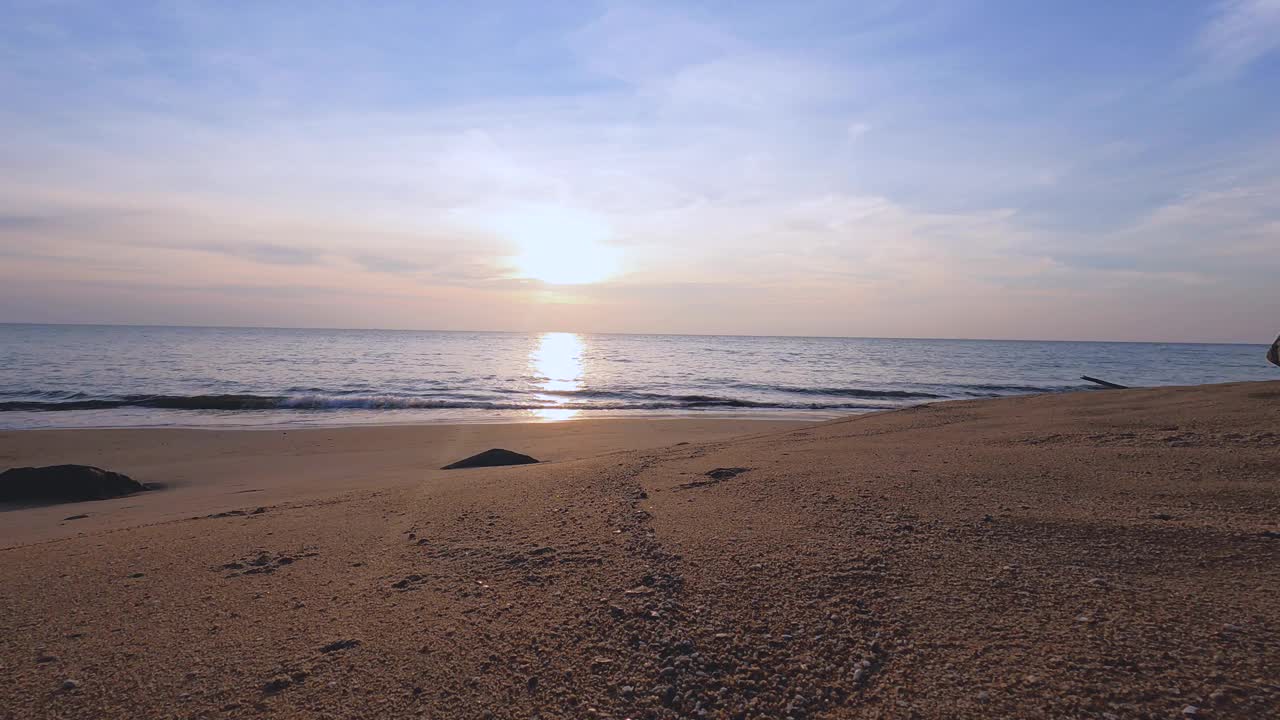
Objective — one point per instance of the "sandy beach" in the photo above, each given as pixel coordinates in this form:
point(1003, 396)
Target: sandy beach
point(1108, 554)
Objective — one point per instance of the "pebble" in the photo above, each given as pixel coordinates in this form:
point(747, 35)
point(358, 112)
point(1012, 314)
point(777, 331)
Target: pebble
point(70, 684)
point(277, 683)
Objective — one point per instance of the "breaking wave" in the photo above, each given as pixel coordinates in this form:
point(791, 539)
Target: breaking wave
point(637, 401)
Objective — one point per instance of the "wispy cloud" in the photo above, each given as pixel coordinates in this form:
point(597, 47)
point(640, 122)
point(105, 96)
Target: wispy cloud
point(1241, 32)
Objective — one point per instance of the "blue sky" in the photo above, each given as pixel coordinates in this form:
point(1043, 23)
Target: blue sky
point(973, 169)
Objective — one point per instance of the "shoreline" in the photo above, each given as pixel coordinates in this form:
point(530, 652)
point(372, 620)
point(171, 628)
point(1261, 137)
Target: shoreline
point(787, 415)
point(816, 416)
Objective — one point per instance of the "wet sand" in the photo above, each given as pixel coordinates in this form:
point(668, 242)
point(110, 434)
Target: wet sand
point(211, 471)
point(1100, 554)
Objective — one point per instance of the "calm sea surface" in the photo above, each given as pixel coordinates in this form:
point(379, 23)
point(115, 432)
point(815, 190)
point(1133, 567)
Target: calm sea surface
point(110, 376)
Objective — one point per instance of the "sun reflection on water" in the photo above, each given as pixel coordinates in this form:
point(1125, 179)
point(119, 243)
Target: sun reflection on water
point(557, 362)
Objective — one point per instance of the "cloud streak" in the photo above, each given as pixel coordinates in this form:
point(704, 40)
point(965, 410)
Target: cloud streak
point(1242, 32)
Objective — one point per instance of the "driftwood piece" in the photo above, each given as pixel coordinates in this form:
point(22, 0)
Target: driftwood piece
point(1104, 383)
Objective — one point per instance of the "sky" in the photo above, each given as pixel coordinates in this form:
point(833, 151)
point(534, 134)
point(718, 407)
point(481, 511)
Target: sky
point(1033, 170)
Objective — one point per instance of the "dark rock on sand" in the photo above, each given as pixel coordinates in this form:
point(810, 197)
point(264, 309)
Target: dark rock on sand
point(337, 645)
point(725, 473)
point(65, 483)
point(277, 684)
point(716, 476)
point(492, 458)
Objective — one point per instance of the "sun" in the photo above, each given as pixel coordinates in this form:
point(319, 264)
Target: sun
point(561, 246)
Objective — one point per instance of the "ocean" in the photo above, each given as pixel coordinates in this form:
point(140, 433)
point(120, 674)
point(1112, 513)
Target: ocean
point(119, 376)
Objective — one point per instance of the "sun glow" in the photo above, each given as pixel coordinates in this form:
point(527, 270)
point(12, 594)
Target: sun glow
point(561, 246)
point(557, 362)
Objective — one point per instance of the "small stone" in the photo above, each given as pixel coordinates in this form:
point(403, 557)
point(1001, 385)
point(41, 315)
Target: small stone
point(277, 683)
point(47, 658)
point(1190, 710)
point(70, 684)
point(725, 473)
point(337, 645)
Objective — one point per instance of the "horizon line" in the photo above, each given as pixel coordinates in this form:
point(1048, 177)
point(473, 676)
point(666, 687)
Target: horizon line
point(637, 334)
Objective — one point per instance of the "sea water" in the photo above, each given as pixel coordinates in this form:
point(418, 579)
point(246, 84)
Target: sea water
point(115, 376)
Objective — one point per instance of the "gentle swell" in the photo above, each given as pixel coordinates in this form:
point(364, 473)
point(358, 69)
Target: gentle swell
point(329, 402)
point(841, 392)
point(764, 396)
point(170, 402)
point(996, 390)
